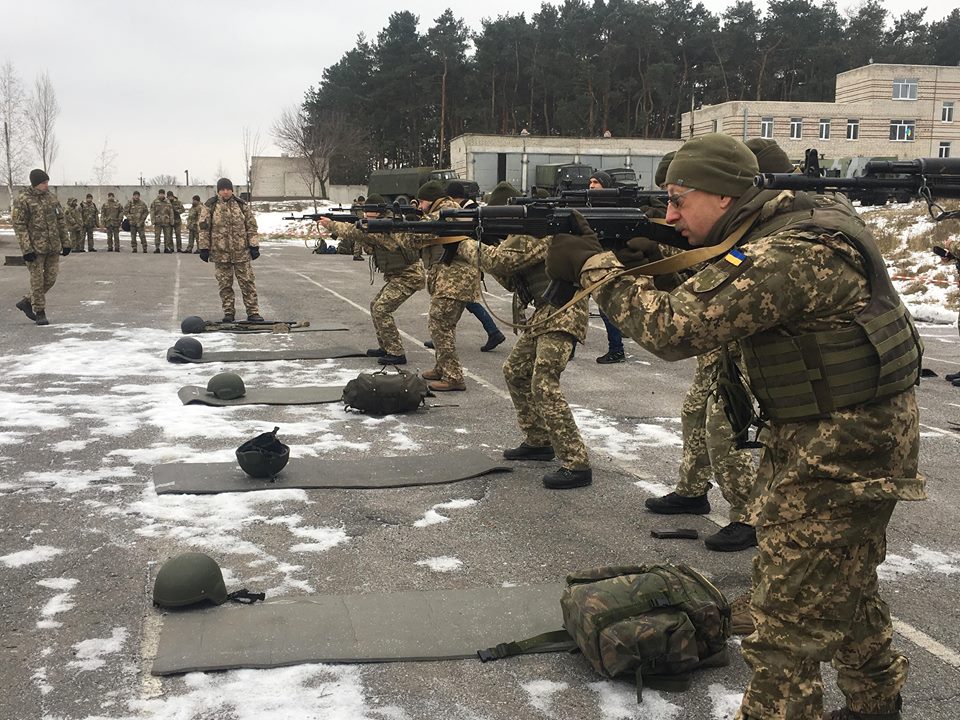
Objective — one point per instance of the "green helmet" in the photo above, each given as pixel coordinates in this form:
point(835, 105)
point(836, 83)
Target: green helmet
point(226, 386)
point(263, 456)
point(189, 579)
point(189, 347)
point(192, 325)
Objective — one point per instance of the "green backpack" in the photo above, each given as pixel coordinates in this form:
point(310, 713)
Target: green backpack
point(656, 622)
point(383, 393)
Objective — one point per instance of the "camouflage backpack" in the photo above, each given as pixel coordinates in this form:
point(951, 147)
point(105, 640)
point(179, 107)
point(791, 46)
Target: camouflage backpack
point(383, 393)
point(656, 622)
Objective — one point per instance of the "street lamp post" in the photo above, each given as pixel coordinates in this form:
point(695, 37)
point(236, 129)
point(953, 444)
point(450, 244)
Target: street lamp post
point(187, 173)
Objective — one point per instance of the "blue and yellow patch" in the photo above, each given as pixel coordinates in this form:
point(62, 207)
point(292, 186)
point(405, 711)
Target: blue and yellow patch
point(735, 257)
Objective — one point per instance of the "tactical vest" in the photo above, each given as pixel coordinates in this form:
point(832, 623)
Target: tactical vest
point(392, 261)
point(530, 283)
point(878, 355)
point(431, 255)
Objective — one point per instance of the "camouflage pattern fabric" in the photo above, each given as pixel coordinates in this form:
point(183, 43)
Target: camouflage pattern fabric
point(224, 273)
point(40, 227)
point(532, 371)
point(193, 229)
point(74, 218)
point(228, 229)
point(161, 211)
point(136, 212)
point(43, 276)
point(193, 237)
point(442, 319)
point(819, 475)
point(397, 288)
point(111, 212)
point(709, 446)
point(136, 230)
point(177, 222)
point(167, 232)
point(458, 279)
point(90, 214)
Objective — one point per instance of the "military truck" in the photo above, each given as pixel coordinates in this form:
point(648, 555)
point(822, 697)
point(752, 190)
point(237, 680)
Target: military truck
point(401, 184)
point(624, 177)
point(562, 176)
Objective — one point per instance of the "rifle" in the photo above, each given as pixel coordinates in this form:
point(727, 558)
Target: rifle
point(924, 178)
point(599, 197)
point(355, 212)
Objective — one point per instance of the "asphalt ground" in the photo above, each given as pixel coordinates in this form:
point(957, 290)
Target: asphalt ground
point(76, 478)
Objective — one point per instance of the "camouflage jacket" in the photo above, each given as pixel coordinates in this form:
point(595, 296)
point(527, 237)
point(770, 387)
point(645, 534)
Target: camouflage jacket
point(136, 212)
point(161, 212)
point(525, 253)
point(454, 277)
point(73, 216)
point(91, 217)
point(112, 213)
point(791, 283)
point(38, 221)
point(193, 217)
point(177, 208)
point(228, 229)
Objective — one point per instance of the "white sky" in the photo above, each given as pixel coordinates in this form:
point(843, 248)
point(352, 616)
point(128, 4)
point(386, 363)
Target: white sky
point(170, 85)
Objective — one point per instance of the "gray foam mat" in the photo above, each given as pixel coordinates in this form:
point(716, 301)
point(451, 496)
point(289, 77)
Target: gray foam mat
point(394, 627)
point(266, 355)
point(330, 473)
point(308, 395)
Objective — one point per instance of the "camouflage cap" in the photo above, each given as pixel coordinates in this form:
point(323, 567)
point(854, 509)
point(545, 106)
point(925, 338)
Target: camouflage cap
point(431, 191)
point(715, 163)
point(375, 199)
point(502, 193)
point(770, 157)
point(660, 176)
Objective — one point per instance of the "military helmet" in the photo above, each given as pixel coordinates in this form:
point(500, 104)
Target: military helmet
point(226, 386)
point(188, 579)
point(189, 347)
point(263, 456)
point(192, 325)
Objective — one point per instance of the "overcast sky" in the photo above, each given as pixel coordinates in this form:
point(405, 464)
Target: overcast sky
point(169, 85)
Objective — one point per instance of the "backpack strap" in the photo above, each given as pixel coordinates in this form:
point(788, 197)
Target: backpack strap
point(553, 641)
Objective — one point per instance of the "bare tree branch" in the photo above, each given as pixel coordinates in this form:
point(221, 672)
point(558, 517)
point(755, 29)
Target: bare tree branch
point(104, 167)
point(13, 122)
point(162, 180)
point(42, 112)
point(252, 145)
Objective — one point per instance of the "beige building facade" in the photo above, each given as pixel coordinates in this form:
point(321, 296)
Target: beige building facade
point(898, 111)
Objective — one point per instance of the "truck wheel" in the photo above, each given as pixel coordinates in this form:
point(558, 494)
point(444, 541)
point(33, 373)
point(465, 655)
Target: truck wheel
point(401, 200)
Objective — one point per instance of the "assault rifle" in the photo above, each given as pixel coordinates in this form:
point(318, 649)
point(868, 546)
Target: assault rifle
point(599, 197)
point(925, 178)
point(350, 214)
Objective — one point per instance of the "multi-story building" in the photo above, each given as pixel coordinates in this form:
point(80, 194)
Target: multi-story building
point(899, 111)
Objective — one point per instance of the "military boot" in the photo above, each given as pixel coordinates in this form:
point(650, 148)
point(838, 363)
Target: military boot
point(493, 340)
point(529, 452)
point(388, 359)
point(228, 317)
point(741, 619)
point(673, 504)
point(567, 479)
point(847, 714)
point(447, 386)
point(732, 538)
point(431, 374)
point(376, 352)
point(952, 376)
point(254, 317)
point(27, 307)
point(428, 344)
point(42, 318)
point(613, 356)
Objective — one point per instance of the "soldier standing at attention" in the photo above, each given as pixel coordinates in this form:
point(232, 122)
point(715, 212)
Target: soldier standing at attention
point(533, 368)
point(804, 291)
point(74, 225)
point(41, 230)
point(136, 212)
point(161, 212)
point(91, 221)
point(193, 218)
point(112, 214)
point(228, 236)
point(397, 256)
point(177, 222)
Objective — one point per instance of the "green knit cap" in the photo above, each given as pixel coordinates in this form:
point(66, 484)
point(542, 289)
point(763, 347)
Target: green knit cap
point(660, 176)
point(770, 157)
point(502, 193)
point(376, 200)
point(714, 163)
point(431, 191)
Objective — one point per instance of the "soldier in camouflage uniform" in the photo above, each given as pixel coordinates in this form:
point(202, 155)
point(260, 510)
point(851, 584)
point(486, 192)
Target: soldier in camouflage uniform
point(161, 213)
point(396, 255)
point(74, 222)
point(91, 221)
point(804, 291)
point(136, 212)
point(38, 221)
point(533, 368)
point(228, 236)
point(177, 222)
point(111, 213)
point(193, 220)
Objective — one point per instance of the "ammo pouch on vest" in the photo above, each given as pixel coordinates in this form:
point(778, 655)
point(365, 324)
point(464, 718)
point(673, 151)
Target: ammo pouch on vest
point(385, 393)
point(393, 261)
point(654, 622)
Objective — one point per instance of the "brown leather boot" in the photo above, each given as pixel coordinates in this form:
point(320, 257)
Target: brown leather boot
point(431, 375)
point(447, 385)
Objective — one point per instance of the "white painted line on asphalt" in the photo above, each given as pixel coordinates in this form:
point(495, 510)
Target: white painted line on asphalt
point(943, 360)
point(941, 431)
point(416, 341)
point(922, 640)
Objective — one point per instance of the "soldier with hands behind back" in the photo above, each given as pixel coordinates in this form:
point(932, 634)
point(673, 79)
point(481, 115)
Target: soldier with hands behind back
point(136, 211)
point(111, 212)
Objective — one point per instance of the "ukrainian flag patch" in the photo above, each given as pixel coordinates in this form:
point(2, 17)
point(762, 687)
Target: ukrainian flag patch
point(735, 257)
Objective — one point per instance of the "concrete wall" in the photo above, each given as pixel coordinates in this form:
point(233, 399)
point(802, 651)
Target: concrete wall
point(282, 178)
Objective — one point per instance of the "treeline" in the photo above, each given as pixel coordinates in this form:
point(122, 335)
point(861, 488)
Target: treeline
point(580, 68)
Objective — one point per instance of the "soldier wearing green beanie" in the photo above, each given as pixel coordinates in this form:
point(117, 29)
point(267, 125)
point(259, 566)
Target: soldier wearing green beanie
point(803, 290)
point(660, 176)
point(770, 157)
point(501, 193)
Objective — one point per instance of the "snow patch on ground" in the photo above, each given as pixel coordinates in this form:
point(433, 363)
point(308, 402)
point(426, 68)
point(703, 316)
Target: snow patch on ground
point(36, 554)
point(622, 440)
point(923, 560)
point(542, 694)
point(725, 703)
point(90, 653)
point(441, 564)
point(432, 516)
point(618, 701)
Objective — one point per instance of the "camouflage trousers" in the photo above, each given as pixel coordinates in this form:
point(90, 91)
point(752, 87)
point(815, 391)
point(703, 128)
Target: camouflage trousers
point(88, 236)
point(815, 599)
point(532, 371)
point(177, 227)
point(43, 276)
point(76, 239)
point(167, 231)
point(193, 238)
point(225, 272)
point(392, 295)
point(442, 322)
point(113, 237)
point(134, 231)
point(709, 447)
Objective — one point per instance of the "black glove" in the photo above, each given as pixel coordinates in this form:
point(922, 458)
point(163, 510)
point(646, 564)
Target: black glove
point(568, 252)
point(254, 253)
point(30, 256)
point(66, 251)
point(939, 251)
point(205, 255)
point(638, 251)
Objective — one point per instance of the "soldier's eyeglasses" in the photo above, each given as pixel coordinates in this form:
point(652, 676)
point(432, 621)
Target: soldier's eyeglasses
point(677, 199)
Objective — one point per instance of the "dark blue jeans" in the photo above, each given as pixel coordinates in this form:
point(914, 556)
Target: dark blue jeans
point(614, 336)
point(480, 312)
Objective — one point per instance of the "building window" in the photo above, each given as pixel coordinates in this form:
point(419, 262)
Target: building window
point(946, 113)
point(796, 128)
point(903, 130)
point(905, 88)
point(853, 129)
point(824, 128)
point(766, 127)
point(944, 150)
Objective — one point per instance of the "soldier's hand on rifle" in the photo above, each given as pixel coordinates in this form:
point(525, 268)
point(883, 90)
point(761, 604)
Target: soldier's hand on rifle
point(205, 255)
point(568, 252)
point(325, 221)
point(638, 251)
